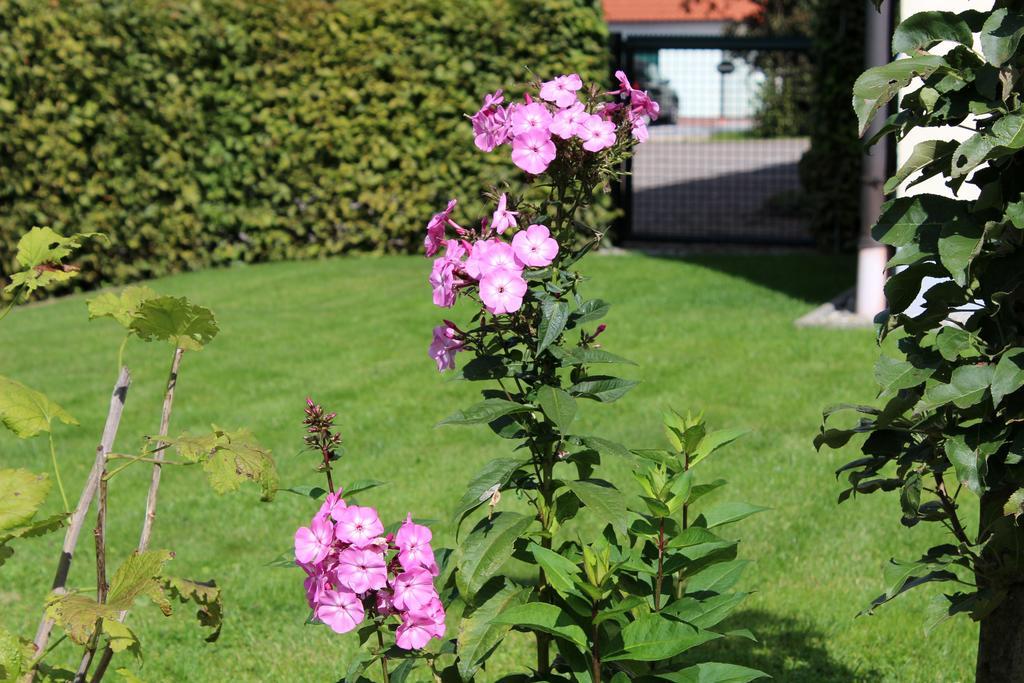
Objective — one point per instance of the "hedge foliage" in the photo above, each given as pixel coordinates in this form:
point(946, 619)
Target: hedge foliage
point(202, 132)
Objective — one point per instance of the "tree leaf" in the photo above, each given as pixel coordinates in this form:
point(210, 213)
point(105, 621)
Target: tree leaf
point(478, 635)
point(727, 513)
point(653, 638)
point(967, 386)
point(602, 388)
point(606, 501)
point(26, 412)
point(175, 320)
point(554, 316)
point(905, 219)
point(1000, 35)
point(1008, 376)
point(716, 578)
point(485, 411)
point(487, 548)
point(139, 575)
point(704, 613)
point(924, 30)
point(713, 441)
point(971, 466)
point(876, 86)
point(205, 595)
point(229, 459)
point(21, 495)
point(925, 153)
point(491, 478)
point(1006, 136)
point(559, 406)
point(544, 617)
point(41, 253)
point(121, 307)
point(893, 374)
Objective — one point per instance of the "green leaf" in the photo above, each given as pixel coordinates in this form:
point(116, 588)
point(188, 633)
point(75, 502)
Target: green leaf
point(893, 374)
point(876, 86)
point(307, 491)
point(121, 307)
point(1015, 504)
point(15, 655)
point(41, 253)
point(139, 575)
point(560, 571)
point(602, 388)
point(487, 548)
point(606, 447)
point(544, 617)
point(727, 513)
point(925, 152)
point(959, 243)
point(587, 356)
point(361, 485)
point(229, 459)
point(175, 320)
point(905, 219)
point(716, 578)
point(967, 386)
point(653, 638)
point(491, 478)
point(559, 406)
point(485, 411)
point(554, 316)
point(27, 412)
point(1000, 35)
point(704, 613)
point(607, 502)
point(1008, 376)
point(595, 309)
point(924, 30)
point(696, 543)
point(120, 637)
point(971, 466)
point(207, 598)
point(1005, 137)
point(713, 441)
point(21, 495)
point(713, 672)
point(478, 635)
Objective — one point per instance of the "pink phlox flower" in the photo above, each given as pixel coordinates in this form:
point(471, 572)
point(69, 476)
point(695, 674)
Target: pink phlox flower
point(607, 110)
point(502, 290)
point(640, 132)
point(332, 506)
point(445, 345)
point(413, 541)
point(313, 543)
point(414, 632)
point(341, 610)
point(492, 127)
point(383, 601)
point(503, 219)
point(435, 611)
point(361, 570)
point(358, 526)
point(488, 255)
point(530, 117)
point(315, 585)
point(566, 122)
point(435, 229)
point(493, 99)
point(413, 590)
point(444, 275)
point(596, 133)
point(625, 88)
point(535, 246)
point(641, 104)
point(561, 90)
point(533, 151)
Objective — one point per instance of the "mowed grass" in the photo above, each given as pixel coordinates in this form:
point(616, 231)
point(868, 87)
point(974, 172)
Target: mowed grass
point(713, 333)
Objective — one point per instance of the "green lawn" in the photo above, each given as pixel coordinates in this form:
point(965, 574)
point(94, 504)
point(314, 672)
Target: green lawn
point(714, 332)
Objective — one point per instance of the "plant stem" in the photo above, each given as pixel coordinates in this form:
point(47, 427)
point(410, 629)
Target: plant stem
point(154, 486)
point(686, 511)
point(99, 533)
point(595, 650)
point(165, 421)
point(327, 469)
point(14, 301)
point(383, 657)
point(120, 351)
point(117, 401)
point(56, 473)
point(543, 639)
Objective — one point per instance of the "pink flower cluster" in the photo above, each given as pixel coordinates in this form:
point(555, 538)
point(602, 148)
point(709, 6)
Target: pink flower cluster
point(532, 126)
point(639, 106)
point(493, 265)
point(345, 556)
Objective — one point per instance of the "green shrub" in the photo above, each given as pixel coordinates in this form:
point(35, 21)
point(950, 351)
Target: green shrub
point(201, 133)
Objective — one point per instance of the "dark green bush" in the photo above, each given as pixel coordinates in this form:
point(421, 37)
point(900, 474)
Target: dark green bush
point(200, 133)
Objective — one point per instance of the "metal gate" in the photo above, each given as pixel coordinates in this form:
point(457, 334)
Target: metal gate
point(721, 164)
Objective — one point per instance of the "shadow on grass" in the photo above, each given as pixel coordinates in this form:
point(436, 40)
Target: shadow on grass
point(787, 650)
point(806, 276)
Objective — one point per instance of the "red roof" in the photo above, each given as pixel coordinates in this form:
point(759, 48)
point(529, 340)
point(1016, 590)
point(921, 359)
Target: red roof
point(678, 10)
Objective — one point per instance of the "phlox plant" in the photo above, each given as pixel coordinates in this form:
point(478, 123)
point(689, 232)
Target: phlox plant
point(96, 623)
point(623, 582)
point(357, 575)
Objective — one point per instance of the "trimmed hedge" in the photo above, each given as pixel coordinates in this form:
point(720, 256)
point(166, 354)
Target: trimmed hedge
point(197, 133)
